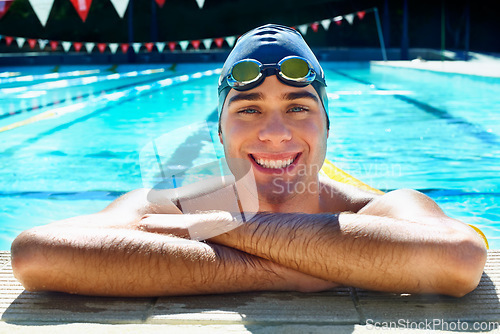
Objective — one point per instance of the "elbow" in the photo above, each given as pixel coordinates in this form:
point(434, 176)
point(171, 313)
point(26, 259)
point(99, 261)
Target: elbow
point(463, 267)
point(28, 260)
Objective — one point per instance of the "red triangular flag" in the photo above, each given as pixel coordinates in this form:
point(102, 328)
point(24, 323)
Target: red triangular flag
point(149, 46)
point(361, 14)
point(172, 45)
point(77, 46)
point(338, 20)
point(4, 6)
point(219, 42)
point(53, 45)
point(8, 40)
point(32, 43)
point(101, 47)
point(315, 26)
point(124, 47)
point(160, 2)
point(196, 44)
point(82, 7)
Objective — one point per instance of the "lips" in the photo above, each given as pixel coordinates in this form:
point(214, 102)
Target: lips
point(275, 162)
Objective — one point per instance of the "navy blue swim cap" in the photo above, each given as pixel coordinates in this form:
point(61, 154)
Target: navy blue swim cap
point(269, 44)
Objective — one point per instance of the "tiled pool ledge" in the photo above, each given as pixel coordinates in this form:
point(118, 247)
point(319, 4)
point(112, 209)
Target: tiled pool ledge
point(341, 310)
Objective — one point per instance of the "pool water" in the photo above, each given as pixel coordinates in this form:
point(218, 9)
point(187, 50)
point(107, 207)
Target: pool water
point(392, 128)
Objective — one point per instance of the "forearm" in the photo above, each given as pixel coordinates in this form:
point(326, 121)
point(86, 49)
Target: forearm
point(365, 251)
point(121, 262)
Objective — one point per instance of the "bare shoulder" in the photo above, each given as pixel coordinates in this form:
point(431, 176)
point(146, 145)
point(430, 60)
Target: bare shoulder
point(340, 197)
point(143, 201)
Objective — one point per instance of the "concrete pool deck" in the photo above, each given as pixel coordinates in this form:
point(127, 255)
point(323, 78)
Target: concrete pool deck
point(480, 65)
point(341, 310)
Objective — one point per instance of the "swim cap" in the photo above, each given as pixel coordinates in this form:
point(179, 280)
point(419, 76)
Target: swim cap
point(269, 44)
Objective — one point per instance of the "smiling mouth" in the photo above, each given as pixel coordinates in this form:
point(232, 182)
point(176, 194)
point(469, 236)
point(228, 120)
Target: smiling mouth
point(275, 163)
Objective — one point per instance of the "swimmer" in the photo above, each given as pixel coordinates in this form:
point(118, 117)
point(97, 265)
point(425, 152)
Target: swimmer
point(272, 105)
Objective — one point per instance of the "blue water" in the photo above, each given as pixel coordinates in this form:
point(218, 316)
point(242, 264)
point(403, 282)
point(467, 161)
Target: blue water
point(392, 128)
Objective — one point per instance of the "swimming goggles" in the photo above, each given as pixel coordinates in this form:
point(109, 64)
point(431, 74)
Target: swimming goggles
point(292, 70)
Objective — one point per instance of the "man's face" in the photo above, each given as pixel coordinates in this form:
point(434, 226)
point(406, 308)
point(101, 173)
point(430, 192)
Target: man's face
point(281, 131)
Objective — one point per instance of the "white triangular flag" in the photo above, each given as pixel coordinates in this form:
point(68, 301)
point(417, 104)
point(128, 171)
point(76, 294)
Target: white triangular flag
point(137, 47)
point(349, 18)
point(113, 47)
point(200, 3)
point(184, 45)
point(20, 41)
point(160, 46)
point(42, 9)
point(207, 42)
point(42, 43)
point(66, 46)
point(303, 29)
point(120, 7)
point(89, 46)
point(326, 23)
point(230, 41)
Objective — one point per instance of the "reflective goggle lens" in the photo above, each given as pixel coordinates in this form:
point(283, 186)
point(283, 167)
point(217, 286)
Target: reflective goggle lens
point(295, 68)
point(245, 71)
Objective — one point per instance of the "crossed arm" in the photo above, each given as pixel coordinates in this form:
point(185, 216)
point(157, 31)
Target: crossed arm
point(378, 248)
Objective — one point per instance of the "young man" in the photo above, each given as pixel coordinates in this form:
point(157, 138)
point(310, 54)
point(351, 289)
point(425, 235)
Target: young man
point(273, 118)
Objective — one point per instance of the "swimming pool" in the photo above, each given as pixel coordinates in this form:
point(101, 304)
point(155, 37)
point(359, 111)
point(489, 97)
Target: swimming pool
point(392, 128)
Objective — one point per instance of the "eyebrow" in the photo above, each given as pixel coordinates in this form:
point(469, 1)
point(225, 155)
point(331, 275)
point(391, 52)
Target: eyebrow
point(300, 95)
point(246, 97)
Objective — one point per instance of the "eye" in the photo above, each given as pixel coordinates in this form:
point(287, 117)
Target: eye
point(248, 111)
point(298, 109)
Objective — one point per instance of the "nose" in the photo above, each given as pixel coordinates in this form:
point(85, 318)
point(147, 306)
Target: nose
point(275, 130)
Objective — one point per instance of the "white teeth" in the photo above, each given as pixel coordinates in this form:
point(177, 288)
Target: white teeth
point(275, 164)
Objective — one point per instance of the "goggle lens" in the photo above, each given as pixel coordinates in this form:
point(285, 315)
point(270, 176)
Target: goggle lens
point(295, 68)
point(246, 71)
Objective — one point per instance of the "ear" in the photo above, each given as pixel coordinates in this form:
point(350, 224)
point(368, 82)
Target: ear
point(220, 138)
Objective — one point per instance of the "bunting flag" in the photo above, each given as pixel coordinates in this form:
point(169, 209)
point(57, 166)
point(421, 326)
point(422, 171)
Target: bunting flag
point(172, 45)
point(43, 43)
point(78, 46)
point(4, 6)
point(101, 47)
point(196, 44)
point(136, 47)
point(184, 45)
point(315, 26)
point(230, 41)
point(113, 47)
point(124, 47)
point(326, 23)
point(82, 7)
point(349, 18)
point(160, 46)
point(120, 6)
point(160, 3)
point(20, 42)
point(32, 43)
point(338, 20)
point(200, 3)
point(42, 9)
point(219, 41)
point(361, 14)
point(149, 46)
point(207, 42)
point(8, 40)
point(54, 45)
point(89, 46)
point(66, 46)
point(303, 29)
